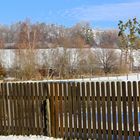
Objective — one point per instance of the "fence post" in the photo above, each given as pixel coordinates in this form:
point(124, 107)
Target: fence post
point(47, 117)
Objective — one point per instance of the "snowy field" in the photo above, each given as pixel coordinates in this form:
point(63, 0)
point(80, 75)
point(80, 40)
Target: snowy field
point(129, 77)
point(32, 137)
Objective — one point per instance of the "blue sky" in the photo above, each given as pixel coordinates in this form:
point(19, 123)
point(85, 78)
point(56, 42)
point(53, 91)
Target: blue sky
point(99, 13)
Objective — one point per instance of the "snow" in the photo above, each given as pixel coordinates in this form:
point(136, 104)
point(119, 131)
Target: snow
point(126, 77)
point(31, 137)
point(8, 55)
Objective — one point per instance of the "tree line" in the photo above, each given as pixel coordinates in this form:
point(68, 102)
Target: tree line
point(41, 35)
point(70, 51)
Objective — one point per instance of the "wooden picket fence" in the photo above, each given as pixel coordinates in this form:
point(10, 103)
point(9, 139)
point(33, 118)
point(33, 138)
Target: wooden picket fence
point(22, 108)
point(96, 110)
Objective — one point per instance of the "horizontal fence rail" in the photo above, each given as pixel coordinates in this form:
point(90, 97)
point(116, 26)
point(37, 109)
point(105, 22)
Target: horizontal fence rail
point(96, 110)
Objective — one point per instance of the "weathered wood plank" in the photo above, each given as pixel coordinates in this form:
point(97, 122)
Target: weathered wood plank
point(1, 111)
point(93, 110)
point(119, 110)
point(56, 110)
point(15, 108)
point(52, 111)
point(61, 110)
point(19, 108)
point(26, 107)
point(79, 111)
point(84, 110)
point(88, 109)
point(135, 110)
point(65, 109)
point(114, 111)
point(108, 110)
point(139, 97)
point(37, 108)
point(6, 92)
point(41, 105)
point(124, 110)
point(103, 110)
point(74, 109)
point(32, 107)
point(11, 109)
point(29, 107)
point(98, 109)
point(129, 88)
point(70, 108)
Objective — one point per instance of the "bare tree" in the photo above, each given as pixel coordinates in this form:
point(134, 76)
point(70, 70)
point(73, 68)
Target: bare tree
point(109, 39)
point(106, 59)
point(91, 62)
point(25, 54)
point(2, 58)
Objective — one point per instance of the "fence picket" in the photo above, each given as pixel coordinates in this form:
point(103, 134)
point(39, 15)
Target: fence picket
point(130, 110)
point(5, 90)
point(119, 105)
point(3, 110)
point(79, 111)
point(70, 108)
point(41, 109)
point(93, 110)
point(88, 109)
point(65, 109)
point(25, 108)
point(108, 110)
point(19, 108)
point(124, 110)
point(139, 99)
point(135, 110)
point(32, 96)
point(61, 109)
point(103, 110)
point(10, 97)
point(74, 109)
point(98, 110)
point(84, 110)
point(52, 109)
point(35, 98)
point(15, 108)
point(114, 111)
point(56, 111)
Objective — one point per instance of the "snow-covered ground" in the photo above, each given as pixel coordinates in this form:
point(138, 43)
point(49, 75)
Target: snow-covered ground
point(32, 137)
point(127, 77)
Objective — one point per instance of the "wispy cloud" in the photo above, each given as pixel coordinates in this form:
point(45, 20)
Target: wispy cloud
point(106, 12)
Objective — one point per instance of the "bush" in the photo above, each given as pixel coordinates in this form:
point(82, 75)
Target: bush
point(2, 71)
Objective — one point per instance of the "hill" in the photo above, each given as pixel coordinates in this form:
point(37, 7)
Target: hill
point(41, 35)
